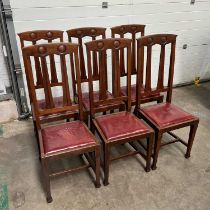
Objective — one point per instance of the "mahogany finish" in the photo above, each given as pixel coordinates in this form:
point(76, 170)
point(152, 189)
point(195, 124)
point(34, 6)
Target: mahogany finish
point(136, 31)
point(163, 117)
point(80, 34)
point(34, 37)
point(61, 140)
point(122, 127)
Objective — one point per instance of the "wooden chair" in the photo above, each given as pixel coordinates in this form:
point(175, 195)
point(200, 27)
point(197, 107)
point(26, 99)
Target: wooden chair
point(121, 127)
point(65, 139)
point(163, 117)
point(80, 34)
point(34, 37)
point(135, 30)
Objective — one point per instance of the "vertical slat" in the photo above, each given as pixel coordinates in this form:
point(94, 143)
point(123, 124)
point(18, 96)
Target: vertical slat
point(95, 64)
point(73, 73)
point(82, 61)
point(92, 112)
point(171, 72)
point(116, 73)
point(39, 78)
point(66, 93)
point(161, 68)
point(133, 65)
point(140, 72)
point(46, 83)
point(79, 90)
point(148, 68)
point(129, 78)
point(122, 60)
point(102, 75)
point(54, 78)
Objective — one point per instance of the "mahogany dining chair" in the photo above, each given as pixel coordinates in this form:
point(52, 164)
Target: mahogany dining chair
point(164, 117)
point(120, 127)
point(63, 139)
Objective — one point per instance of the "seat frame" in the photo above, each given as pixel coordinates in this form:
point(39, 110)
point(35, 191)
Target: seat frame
point(90, 152)
point(101, 46)
point(162, 40)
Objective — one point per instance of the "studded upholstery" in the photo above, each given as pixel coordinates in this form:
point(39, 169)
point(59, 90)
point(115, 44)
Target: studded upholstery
point(66, 136)
point(166, 114)
point(120, 125)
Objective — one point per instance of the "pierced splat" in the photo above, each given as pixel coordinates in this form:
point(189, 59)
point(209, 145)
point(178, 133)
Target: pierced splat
point(148, 42)
point(134, 30)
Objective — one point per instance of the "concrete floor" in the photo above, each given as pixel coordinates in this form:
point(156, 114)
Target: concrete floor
point(176, 184)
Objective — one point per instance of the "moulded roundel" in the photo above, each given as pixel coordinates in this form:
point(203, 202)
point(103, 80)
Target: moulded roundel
point(100, 44)
point(92, 31)
point(49, 34)
point(62, 48)
point(33, 35)
point(121, 28)
point(116, 43)
point(150, 40)
point(42, 50)
point(163, 39)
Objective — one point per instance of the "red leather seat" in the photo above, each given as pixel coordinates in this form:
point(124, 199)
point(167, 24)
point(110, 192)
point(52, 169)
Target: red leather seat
point(86, 101)
point(58, 101)
point(133, 92)
point(166, 114)
point(120, 125)
point(66, 136)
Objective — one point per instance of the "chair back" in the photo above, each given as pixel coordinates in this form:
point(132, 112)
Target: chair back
point(61, 51)
point(136, 31)
point(81, 34)
point(148, 43)
point(100, 47)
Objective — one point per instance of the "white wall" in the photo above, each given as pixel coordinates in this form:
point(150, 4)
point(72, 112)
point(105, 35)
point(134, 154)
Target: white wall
point(190, 22)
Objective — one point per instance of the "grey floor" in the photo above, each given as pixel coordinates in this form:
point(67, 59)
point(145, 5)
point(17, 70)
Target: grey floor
point(177, 183)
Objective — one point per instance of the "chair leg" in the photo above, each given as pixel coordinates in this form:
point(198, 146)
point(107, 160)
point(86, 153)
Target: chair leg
point(45, 168)
point(106, 164)
point(97, 167)
point(193, 129)
point(149, 152)
point(158, 137)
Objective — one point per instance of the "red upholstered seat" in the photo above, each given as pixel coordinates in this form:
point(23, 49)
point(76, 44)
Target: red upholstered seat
point(133, 92)
point(120, 125)
point(58, 101)
point(66, 136)
point(86, 101)
point(166, 114)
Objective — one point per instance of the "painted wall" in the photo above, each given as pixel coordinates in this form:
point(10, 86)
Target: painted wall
point(190, 22)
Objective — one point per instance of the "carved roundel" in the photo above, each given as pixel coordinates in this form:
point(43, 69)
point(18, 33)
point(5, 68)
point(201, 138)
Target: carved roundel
point(42, 50)
point(33, 35)
point(122, 28)
point(163, 39)
point(100, 45)
point(49, 34)
point(116, 44)
point(79, 32)
point(62, 48)
point(93, 31)
point(150, 40)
